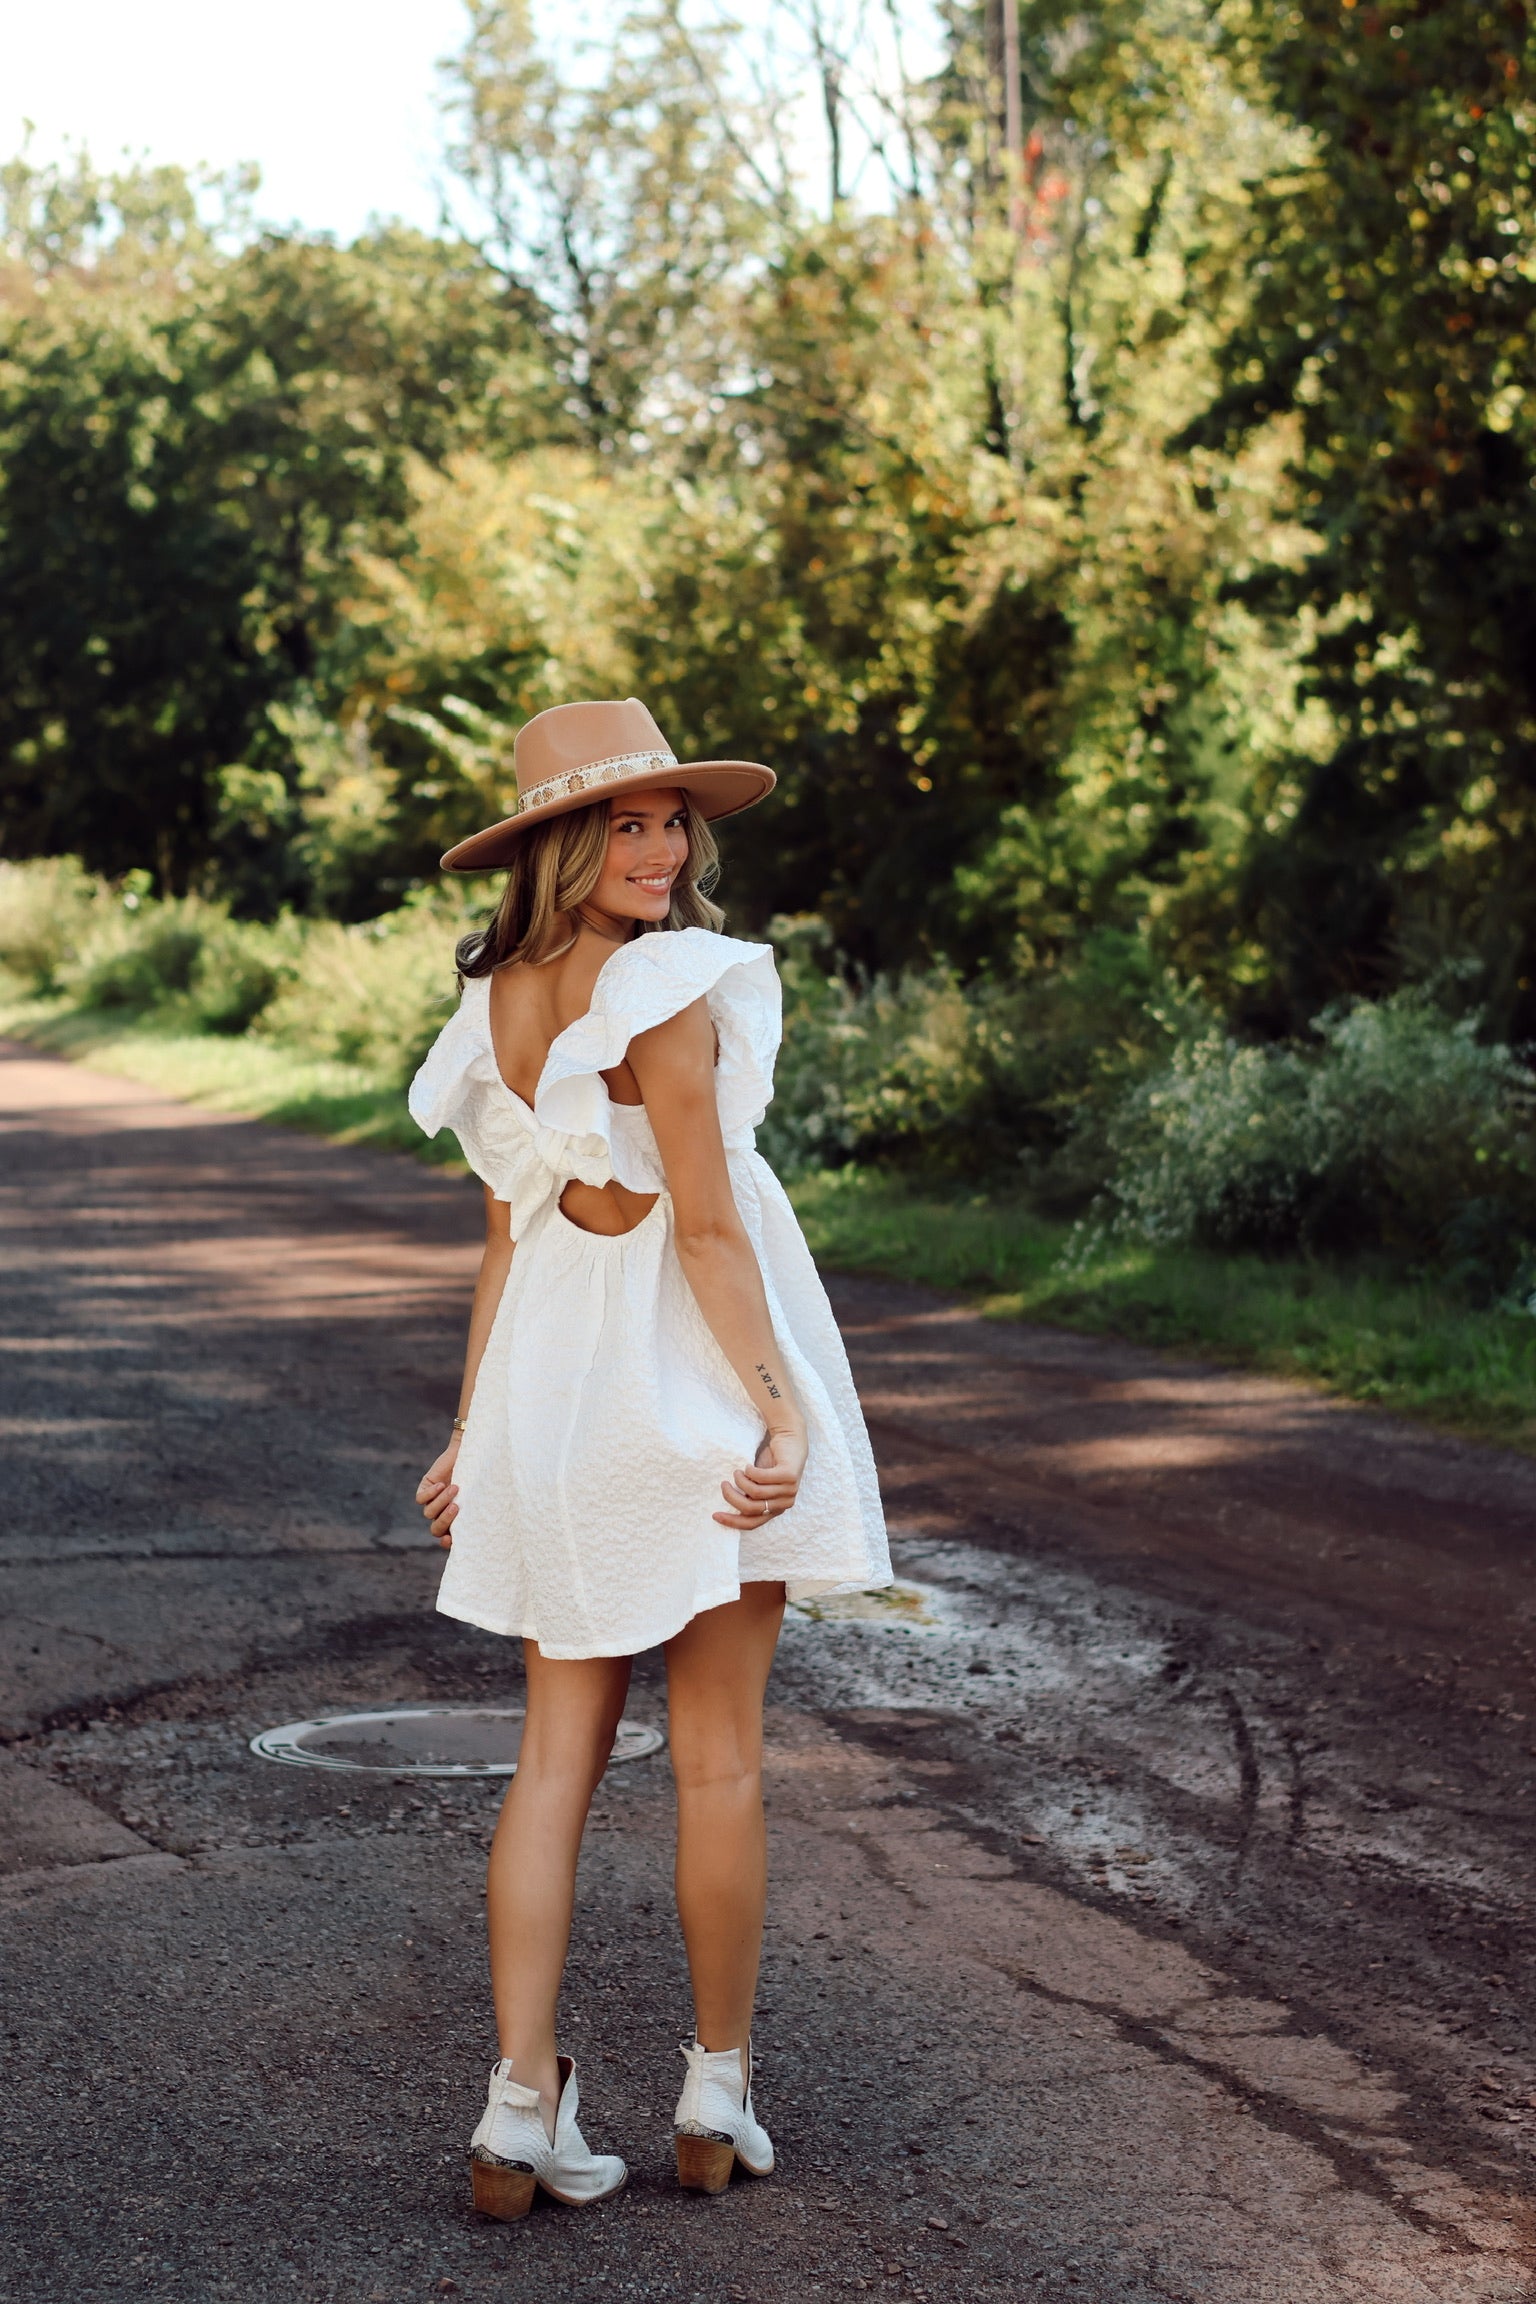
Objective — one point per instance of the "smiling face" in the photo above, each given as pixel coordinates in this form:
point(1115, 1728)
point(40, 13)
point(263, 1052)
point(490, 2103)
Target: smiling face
point(647, 848)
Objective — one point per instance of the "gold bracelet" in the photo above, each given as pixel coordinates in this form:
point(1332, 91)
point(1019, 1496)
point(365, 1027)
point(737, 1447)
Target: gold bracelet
point(459, 1424)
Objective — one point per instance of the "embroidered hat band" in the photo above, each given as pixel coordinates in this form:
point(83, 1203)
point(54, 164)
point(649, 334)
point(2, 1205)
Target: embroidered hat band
point(573, 780)
point(564, 757)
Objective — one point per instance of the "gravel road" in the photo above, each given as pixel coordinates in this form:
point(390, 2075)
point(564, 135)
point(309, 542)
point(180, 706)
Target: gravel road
point(1153, 1905)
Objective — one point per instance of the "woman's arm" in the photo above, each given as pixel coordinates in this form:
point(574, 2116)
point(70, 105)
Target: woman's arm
point(438, 1495)
point(675, 1068)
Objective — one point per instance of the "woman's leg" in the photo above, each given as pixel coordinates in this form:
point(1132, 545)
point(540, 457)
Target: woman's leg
point(574, 1709)
point(717, 1674)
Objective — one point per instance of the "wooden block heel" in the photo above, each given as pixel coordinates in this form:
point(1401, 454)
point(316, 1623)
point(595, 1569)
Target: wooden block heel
point(704, 2163)
point(502, 2192)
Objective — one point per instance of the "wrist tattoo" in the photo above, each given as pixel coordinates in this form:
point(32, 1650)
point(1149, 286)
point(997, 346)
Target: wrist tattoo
point(773, 1390)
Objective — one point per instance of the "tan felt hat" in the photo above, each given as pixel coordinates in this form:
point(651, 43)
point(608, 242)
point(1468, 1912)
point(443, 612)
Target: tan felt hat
point(576, 753)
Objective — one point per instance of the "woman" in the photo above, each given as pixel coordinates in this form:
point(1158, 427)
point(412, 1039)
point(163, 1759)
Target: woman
point(657, 1435)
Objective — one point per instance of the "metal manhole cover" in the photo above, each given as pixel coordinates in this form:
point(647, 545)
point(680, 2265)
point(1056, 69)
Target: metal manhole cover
point(423, 1740)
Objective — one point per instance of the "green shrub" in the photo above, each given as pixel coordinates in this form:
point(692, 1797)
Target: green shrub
point(376, 994)
point(1401, 1131)
point(994, 1081)
point(373, 995)
point(883, 1064)
point(241, 967)
point(140, 953)
point(47, 909)
point(184, 958)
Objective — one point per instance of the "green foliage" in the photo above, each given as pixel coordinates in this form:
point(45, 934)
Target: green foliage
point(185, 481)
point(371, 997)
point(931, 553)
point(886, 1066)
point(998, 1080)
point(240, 969)
point(1371, 1330)
point(142, 954)
point(503, 601)
point(1393, 325)
point(615, 199)
point(375, 995)
point(818, 596)
point(127, 231)
point(61, 931)
point(47, 910)
point(1403, 1131)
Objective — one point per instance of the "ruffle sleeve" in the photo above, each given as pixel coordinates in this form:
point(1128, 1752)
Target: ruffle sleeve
point(438, 1090)
point(647, 981)
point(459, 1087)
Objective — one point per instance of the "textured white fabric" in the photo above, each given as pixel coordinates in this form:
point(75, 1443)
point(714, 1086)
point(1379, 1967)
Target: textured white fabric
point(604, 1414)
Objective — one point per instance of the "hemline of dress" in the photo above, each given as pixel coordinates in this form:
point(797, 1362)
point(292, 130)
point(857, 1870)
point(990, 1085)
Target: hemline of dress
point(796, 1590)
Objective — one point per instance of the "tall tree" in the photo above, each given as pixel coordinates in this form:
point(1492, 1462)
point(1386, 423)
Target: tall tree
point(184, 482)
point(615, 201)
point(1393, 324)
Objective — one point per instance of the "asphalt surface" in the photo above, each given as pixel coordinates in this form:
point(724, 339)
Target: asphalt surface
point(1152, 1910)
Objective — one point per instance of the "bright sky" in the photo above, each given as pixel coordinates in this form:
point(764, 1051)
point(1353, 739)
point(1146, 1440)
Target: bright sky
point(335, 100)
point(332, 98)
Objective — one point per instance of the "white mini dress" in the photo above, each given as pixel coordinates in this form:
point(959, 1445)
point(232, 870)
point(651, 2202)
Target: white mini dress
point(605, 1415)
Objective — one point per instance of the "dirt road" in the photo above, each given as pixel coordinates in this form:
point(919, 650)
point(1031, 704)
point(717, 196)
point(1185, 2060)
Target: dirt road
point(1153, 1912)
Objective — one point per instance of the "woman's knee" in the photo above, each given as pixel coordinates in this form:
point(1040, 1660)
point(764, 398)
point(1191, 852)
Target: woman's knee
point(726, 1767)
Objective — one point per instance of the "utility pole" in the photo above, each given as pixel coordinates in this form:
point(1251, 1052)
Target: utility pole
point(1013, 114)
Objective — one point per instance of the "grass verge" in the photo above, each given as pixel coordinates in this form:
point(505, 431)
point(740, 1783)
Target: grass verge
point(1402, 1343)
point(1406, 1344)
point(341, 1102)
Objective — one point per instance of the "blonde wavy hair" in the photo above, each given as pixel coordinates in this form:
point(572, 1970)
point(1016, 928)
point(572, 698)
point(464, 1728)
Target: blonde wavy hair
point(554, 870)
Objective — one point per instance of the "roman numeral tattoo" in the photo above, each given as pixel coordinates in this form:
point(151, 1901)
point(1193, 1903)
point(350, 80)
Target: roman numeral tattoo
point(773, 1390)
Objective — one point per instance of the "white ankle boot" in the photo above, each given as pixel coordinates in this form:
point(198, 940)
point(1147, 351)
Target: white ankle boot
point(509, 2152)
point(713, 2124)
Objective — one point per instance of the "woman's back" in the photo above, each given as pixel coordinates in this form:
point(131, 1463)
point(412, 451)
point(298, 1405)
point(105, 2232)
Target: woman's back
point(530, 1006)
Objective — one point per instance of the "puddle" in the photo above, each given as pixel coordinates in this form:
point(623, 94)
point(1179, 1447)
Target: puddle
point(424, 1740)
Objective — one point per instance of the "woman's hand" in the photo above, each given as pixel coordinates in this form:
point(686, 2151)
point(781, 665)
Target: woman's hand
point(438, 1495)
point(760, 1492)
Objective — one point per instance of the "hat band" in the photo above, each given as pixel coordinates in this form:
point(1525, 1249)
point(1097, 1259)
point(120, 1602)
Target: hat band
point(588, 779)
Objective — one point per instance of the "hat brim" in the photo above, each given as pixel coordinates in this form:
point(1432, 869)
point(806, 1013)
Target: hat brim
point(716, 787)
